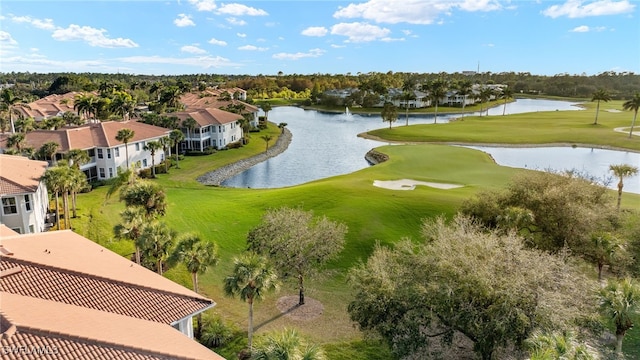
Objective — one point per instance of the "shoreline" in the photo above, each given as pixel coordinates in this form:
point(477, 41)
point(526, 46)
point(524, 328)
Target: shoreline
point(218, 176)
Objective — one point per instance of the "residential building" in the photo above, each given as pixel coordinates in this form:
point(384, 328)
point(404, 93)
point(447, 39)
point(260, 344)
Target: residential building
point(99, 140)
point(25, 202)
point(216, 99)
point(214, 128)
point(67, 297)
point(49, 106)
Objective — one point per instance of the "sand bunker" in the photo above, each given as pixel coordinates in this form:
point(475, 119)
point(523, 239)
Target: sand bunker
point(408, 184)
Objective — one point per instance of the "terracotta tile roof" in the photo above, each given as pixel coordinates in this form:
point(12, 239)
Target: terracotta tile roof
point(19, 174)
point(50, 106)
point(211, 99)
point(65, 267)
point(71, 332)
point(208, 116)
point(6, 231)
point(90, 135)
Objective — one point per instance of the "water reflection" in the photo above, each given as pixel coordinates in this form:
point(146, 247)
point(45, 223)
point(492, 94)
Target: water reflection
point(326, 145)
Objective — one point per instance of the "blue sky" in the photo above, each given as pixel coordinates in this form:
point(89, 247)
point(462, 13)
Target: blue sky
point(329, 37)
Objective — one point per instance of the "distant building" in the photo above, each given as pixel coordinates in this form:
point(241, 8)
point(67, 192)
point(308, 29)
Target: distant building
point(25, 201)
point(214, 128)
point(64, 296)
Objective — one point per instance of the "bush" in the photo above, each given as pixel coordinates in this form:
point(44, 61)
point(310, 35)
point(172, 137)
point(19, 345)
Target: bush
point(235, 145)
point(215, 332)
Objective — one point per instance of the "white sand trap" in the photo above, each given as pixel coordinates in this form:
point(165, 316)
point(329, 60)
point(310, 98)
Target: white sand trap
point(408, 184)
point(614, 110)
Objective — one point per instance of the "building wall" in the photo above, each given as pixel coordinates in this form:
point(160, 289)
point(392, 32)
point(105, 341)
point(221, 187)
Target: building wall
point(30, 211)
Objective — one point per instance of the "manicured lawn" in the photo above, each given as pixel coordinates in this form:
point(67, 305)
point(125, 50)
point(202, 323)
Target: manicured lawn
point(373, 215)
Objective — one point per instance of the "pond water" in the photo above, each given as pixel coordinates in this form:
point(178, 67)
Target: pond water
point(326, 144)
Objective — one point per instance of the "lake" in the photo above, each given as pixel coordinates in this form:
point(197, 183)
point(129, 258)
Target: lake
point(326, 144)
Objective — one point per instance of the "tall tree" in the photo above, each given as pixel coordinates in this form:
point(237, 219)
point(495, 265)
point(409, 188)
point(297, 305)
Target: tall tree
point(197, 255)
point(251, 279)
point(152, 147)
point(599, 95)
point(632, 104)
point(176, 137)
point(266, 139)
point(620, 303)
point(52, 180)
point(506, 94)
point(86, 104)
point(190, 124)
point(77, 157)
point(48, 151)
point(622, 171)
point(389, 113)
point(12, 104)
point(165, 144)
point(297, 242)
point(16, 140)
point(484, 96)
point(147, 195)
point(124, 135)
point(437, 89)
point(156, 241)
point(266, 107)
point(134, 219)
point(464, 89)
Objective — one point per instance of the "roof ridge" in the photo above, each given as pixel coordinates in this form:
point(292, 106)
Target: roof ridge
point(102, 278)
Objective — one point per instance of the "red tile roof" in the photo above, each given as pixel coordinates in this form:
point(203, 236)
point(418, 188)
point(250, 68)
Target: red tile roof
point(69, 332)
point(209, 116)
point(19, 174)
point(50, 106)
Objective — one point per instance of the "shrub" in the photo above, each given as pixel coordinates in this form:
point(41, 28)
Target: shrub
point(215, 332)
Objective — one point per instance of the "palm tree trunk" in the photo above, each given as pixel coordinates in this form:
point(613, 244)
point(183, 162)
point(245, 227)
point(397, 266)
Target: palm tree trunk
point(250, 331)
point(435, 118)
point(73, 203)
point(126, 150)
point(159, 265)
point(620, 186)
point(194, 279)
point(633, 123)
point(137, 255)
point(65, 204)
point(619, 338)
point(57, 211)
point(595, 122)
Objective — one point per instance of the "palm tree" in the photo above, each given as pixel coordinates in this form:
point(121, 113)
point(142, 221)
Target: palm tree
point(622, 171)
point(12, 104)
point(464, 90)
point(544, 346)
point(197, 255)
point(122, 103)
point(48, 151)
point(134, 219)
point(16, 140)
point(633, 104)
point(176, 137)
point(485, 95)
point(252, 277)
point(266, 139)
point(52, 181)
point(604, 246)
point(506, 95)
point(171, 96)
point(599, 95)
point(147, 195)
point(619, 302)
point(437, 90)
point(155, 242)
point(286, 345)
point(190, 124)
point(26, 124)
point(77, 157)
point(152, 147)
point(86, 104)
point(124, 135)
point(165, 143)
point(78, 183)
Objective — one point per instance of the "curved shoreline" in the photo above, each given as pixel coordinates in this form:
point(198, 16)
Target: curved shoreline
point(218, 176)
point(368, 136)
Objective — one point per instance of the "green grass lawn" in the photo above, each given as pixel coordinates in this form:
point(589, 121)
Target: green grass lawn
point(373, 215)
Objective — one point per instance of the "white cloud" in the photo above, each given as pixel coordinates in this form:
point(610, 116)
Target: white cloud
point(241, 35)
point(412, 11)
point(200, 61)
point(315, 31)
point(313, 53)
point(183, 20)
point(583, 28)
point(582, 8)
point(337, 46)
point(252, 48)
point(236, 21)
point(6, 39)
point(204, 5)
point(192, 49)
point(92, 36)
point(44, 24)
point(214, 41)
point(240, 10)
point(360, 32)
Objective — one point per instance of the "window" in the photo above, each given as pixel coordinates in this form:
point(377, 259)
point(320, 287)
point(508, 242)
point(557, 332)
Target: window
point(32, 229)
point(144, 162)
point(9, 206)
point(27, 202)
point(102, 176)
point(108, 153)
point(137, 146)
point(91, 152)
point(100, 155)
point(116, 152)
point(18, 230)
point(110, 172)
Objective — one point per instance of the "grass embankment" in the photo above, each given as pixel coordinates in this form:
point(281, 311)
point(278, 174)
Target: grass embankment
point(539, 128)
point(225, 215)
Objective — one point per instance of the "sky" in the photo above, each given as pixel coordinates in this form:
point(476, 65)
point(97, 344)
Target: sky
point(264, 37)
